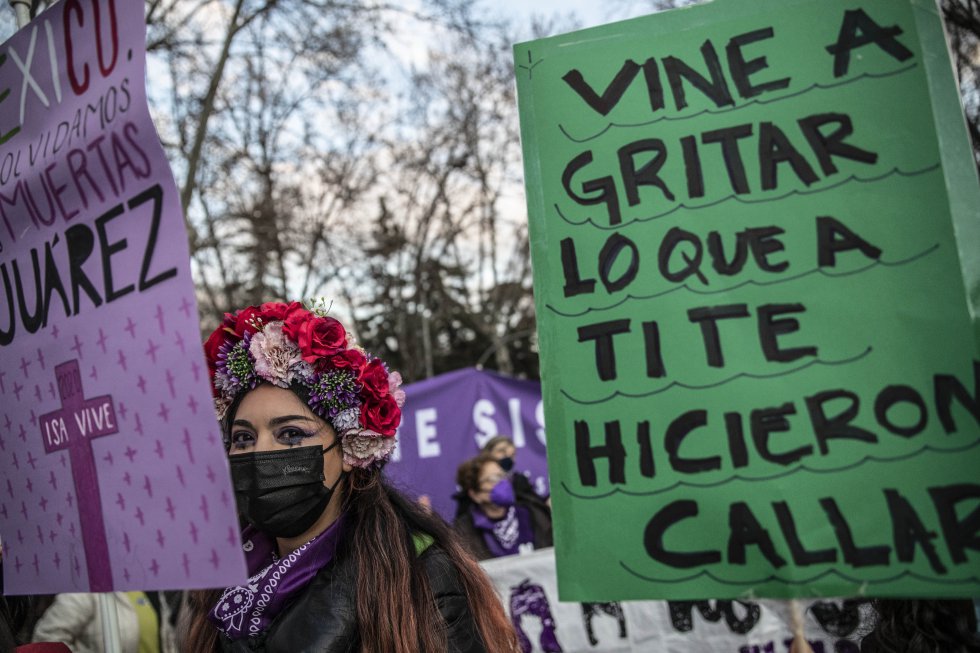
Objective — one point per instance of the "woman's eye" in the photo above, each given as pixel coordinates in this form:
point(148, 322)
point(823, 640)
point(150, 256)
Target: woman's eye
point(292, 436)
point(241, 440)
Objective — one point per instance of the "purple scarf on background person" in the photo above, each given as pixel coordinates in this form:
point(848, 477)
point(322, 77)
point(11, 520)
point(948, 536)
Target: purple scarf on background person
point(247, 610)
point(504, 536)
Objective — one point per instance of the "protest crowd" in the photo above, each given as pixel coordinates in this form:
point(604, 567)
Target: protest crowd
point(764, 419)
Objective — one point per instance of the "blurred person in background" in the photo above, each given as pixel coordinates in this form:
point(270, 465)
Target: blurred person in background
point(493, 518)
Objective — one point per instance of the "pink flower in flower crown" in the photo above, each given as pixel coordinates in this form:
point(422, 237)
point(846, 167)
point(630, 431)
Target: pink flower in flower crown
point(364, 448)
point(394, 388)
point(274, 355)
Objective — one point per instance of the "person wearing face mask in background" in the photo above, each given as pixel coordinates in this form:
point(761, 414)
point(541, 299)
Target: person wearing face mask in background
point(338, 559)
point(501, 448)
point(492, 518)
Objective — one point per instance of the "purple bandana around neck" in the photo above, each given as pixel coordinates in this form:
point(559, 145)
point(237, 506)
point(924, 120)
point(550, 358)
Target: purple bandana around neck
point(247, 610)
point(505, 536)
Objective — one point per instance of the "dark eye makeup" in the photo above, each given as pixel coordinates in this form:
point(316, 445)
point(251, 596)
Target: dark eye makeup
point(288, 435)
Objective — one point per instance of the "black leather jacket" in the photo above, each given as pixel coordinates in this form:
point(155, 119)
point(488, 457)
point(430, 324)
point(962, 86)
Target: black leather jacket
point(323, 619)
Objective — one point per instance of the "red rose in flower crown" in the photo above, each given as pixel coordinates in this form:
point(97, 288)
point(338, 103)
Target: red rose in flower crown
point(374, 378)
point(289, 345)
point(381, 416)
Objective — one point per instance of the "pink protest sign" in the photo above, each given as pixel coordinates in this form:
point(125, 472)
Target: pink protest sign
point(112, 472)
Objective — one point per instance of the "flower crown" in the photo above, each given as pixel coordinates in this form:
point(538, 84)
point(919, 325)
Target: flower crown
point(290, 345)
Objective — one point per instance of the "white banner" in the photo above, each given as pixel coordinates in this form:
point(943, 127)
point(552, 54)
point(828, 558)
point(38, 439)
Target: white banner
point(527, 585)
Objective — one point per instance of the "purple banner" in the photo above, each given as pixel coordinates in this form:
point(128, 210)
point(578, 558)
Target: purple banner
point(112, 473)
point(448, 418)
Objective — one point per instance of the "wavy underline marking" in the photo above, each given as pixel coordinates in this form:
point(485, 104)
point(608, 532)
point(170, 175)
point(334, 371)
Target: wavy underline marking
point(715, 112)
point(772, 477)
point(802, 581)
point(750, 282)
point(814, 191)
point(740, 375)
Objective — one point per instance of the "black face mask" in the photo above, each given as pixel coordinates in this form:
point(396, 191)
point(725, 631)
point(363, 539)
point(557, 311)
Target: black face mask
point(282, 492)
point(506, 464)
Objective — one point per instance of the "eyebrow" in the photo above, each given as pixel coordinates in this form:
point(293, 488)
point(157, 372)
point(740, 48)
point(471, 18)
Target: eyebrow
point(275, 421)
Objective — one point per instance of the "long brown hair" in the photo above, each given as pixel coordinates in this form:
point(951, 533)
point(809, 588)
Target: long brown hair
point(396, 610)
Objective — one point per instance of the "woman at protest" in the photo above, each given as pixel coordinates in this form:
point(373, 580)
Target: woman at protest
point(338, 559)
point(501, 448)
point(492, 518)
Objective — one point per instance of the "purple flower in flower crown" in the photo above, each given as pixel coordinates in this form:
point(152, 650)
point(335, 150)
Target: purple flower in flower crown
point(334, 392)
point(234, 369)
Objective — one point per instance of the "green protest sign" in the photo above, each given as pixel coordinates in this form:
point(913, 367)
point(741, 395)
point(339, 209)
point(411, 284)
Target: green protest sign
point(754, 229)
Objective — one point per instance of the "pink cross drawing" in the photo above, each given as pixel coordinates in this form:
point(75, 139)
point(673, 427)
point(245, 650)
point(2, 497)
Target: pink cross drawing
point(72, 427)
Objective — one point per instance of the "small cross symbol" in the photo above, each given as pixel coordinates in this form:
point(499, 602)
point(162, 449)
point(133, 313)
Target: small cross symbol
point(151, 349)
point(52, 535)
point(31, 460)
point(101, 340)
point(37, 393)
point(130, 453)
point(120, 501)
point(192, 403)
point(53, 480)
point(10, 488)
point(186, 562)
point(159, 450)
point(55, 331)
point(126, 573)
point(51, 389)
point(215, 560)
point(154, 567)
point(108, 457)
point(164, 412)
point(121, 360)
point(23, 511)
point(147, 486)
point(17, 563)
point(57, 560)
point(59, 518)
point(224, 499)
point(185, 306)
point(194, 532)
point(33, 418)
point(170, 384)
point(139, 424)
point(3, 388)
point(3, 511)
point(36, 565)
point(210, 474)
point(29, 485)
point(159, 316)
point(170, 509)
point(196, 369)
point(180, 476)
point(180, 342)
point(126, 542)
point(70, 500)
point(17, 390)
point(232, 537)
point(127, 479)
point(24, 365)
point(94, 374)
point(40, 535)
point(160, 538)
point(16, 462)
point(122, 409)
point(131, 327)
point(187, 443)
point(141, 383)
point(20, 537)
point(204, 508)
point(40, 357)
point(77, 347)
point(22, 434)
point(6, 421)
point(139, 516)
